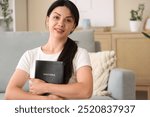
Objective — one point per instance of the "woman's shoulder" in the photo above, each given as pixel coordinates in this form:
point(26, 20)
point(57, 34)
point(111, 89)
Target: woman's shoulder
point(82, 51)
point(81, 58)
point(33, 51)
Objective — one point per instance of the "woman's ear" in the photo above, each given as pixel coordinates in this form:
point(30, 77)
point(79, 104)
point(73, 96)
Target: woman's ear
point(47, 21)
point(73, 28)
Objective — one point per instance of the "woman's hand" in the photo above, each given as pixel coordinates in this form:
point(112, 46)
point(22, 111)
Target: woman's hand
point(37, 86)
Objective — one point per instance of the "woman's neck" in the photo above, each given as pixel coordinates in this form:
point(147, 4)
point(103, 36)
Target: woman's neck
point(53, 46)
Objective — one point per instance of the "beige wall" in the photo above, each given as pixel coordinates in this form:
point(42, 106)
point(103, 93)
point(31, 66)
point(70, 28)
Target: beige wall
point(21, 15)
point(122, 12)
point(37, 11)
point(36, 14)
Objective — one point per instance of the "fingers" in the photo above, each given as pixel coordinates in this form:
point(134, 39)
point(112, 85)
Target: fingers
point(36, 86)
point(33, 80)
point(30, 82)
point(36, 80)
point(30, 85)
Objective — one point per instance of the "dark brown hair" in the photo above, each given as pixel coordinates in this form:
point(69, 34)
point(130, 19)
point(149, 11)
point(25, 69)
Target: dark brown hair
point(67, 55)
point(70, 47)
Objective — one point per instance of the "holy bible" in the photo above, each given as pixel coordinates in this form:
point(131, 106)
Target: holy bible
point(50, 71)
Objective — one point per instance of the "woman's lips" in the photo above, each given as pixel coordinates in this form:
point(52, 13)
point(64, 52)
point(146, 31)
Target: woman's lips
point(59, 30)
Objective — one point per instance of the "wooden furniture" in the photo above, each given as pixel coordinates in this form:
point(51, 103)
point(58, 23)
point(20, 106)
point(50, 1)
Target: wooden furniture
point(132, 51)
point(143, 85)
point(104, 39)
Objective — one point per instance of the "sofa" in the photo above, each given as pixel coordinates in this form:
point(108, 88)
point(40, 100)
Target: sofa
point(121, 82)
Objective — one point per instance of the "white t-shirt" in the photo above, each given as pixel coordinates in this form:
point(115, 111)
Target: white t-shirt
point(28, 59)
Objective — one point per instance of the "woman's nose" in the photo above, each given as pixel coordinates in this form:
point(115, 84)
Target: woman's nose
point(61, 23)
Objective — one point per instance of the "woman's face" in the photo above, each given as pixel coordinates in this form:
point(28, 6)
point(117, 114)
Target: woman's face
point(60, 22)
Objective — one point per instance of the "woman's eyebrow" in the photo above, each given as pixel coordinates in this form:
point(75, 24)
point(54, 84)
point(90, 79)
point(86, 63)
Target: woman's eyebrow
point(56, 13)
point(70, 16)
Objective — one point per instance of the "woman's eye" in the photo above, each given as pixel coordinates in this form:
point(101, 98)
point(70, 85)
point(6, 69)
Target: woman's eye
point(56, 17)
point(69, 20)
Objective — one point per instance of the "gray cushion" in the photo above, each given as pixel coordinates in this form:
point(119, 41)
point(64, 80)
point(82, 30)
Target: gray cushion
point(12, 46)
point(1, 96)
point(122, 84)
point(85, 39)
point(101, 98)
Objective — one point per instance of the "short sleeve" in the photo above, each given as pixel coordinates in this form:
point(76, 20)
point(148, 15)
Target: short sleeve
point(81, 59)
point(24, 62)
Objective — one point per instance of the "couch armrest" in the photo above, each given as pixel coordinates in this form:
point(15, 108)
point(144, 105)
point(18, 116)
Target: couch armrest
point(121, 84)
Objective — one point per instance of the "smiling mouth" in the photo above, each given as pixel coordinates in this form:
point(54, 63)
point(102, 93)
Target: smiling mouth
point(59, 30)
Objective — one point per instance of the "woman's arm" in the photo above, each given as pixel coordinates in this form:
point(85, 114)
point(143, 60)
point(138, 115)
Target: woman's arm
point(14, 89)
point(80, 90)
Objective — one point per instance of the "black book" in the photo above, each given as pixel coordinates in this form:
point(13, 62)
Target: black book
point(50, 71)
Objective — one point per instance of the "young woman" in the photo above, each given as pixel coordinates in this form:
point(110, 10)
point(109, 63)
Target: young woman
point(62, 18)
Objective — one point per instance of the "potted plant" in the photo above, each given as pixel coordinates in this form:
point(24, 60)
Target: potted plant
point(136, 18)
point(6, 13)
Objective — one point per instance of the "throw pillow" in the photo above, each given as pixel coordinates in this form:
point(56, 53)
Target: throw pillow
point(102, 63)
